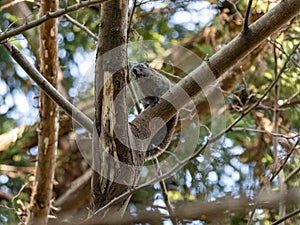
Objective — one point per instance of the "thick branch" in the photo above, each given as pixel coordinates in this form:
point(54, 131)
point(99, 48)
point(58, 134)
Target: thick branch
point(210, 140)
point(217, 65)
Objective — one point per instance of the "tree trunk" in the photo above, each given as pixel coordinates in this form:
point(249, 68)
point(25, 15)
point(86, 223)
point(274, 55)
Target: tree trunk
point(113, 172)
point(107, 189)
point(48, 127)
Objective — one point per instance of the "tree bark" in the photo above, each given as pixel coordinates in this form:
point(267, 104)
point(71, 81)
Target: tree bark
point(111, 153)
point(48, 126)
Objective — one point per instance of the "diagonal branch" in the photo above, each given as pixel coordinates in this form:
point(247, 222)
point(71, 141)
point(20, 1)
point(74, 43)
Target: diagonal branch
point(70, 109)
point(82, 27)
point(216, 66)
point(211, 139)
point(295, 212)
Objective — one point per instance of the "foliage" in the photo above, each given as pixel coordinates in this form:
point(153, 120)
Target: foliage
point(240, 164)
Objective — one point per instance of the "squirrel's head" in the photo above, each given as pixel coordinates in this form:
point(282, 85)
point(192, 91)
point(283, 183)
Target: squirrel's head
point(141, 70)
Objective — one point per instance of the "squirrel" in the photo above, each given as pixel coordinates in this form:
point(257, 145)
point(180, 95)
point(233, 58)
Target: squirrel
point(151, 86)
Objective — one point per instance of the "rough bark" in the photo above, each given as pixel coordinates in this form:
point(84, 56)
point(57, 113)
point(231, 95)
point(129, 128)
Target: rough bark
point(48, 126)
point(110, 147)
point(192, 85)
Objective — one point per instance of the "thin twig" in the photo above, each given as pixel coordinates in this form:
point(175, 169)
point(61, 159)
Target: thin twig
point(276, 114)
point(266, 132)
point(15, 197)
point(81, 26)
point(280, 48)
point(276, 93)
point(251, 216)
point(293, 173)
point(236, 9)
point(290, 152)
point(130, 18)
point(164, 193)
point(246, 20)
point(286, 217)
point(48, 16)
point(283, 187)
point(275, 80)
point(288, 102)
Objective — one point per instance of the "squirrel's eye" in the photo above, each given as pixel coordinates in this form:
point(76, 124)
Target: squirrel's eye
point(144, 65)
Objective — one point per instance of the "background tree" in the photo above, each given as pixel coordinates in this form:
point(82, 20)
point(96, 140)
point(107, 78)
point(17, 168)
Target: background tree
point(48, 124)
point(258, 153)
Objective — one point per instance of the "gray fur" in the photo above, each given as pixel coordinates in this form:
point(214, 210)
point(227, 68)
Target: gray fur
point(151, 86)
